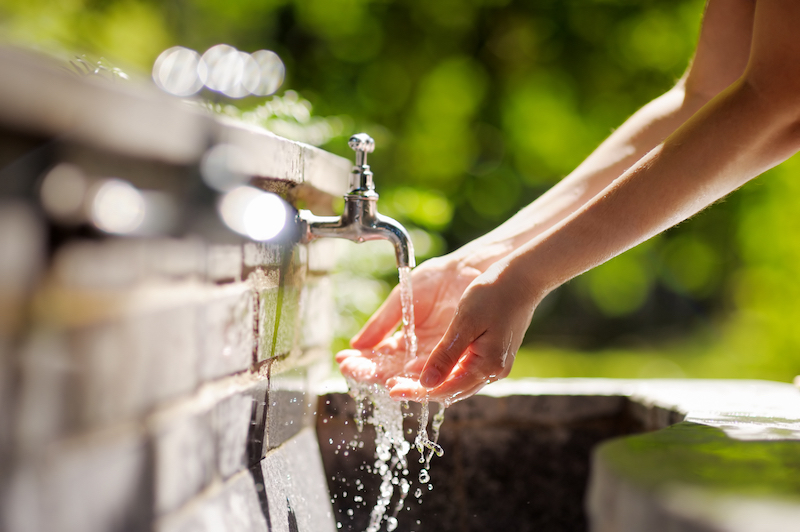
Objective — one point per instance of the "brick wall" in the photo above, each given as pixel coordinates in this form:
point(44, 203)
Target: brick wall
point(160, 383)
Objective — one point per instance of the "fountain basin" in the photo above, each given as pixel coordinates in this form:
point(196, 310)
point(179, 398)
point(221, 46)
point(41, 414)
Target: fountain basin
point(602, 455)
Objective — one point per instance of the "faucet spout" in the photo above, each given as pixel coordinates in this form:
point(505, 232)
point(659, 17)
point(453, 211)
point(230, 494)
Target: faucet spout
point(360, 221)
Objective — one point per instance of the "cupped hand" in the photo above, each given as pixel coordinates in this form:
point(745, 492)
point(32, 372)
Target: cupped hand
point(480, 343)
point(379, 353)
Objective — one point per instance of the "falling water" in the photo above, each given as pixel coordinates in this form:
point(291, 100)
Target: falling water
point(407, 304)
point(386, 415)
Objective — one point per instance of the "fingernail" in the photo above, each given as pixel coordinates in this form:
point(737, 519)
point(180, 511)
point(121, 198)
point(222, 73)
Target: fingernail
point(430, 378)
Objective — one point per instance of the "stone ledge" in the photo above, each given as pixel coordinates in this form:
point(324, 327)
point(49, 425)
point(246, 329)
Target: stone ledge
point(136, 119)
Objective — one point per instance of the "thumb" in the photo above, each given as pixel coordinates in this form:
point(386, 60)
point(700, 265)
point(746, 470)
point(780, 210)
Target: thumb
point(460, 334)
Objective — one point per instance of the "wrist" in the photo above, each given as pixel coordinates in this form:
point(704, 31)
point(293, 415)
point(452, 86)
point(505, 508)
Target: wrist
point(514, 271)
point(480, 254)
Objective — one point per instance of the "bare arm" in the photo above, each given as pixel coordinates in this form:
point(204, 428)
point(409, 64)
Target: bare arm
point(720, 59)
point(751, 126)
point(721, 56)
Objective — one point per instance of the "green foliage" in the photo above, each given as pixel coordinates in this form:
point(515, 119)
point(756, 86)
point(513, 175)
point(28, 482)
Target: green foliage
point(478, 106)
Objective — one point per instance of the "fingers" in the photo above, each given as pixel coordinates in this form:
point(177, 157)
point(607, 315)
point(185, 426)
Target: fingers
point(454, 389)
point(460, 334)
point(386, 360)
point(382, 323)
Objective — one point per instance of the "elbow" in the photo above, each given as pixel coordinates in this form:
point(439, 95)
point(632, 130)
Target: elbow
point(775, 108)
point(777, 92)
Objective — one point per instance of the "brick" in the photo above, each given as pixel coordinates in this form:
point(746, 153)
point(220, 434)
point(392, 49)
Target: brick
point(267, 314)
point(225, 332)
point(22, 260)
point(107, 264)
point(43, 408)
point(262, 254)
point(230, 421)
point(122, 263)
point(289, 410)
point(234, 507)
point(107, 375)
point(130, 365)
point(277, 341)
point(22, 241)
point(166, 341)
point(257, 440)
point(289, 321)
point(184, 457)
point(296, 488)
point(224, 263)
point(175, 259)
point(91, 484)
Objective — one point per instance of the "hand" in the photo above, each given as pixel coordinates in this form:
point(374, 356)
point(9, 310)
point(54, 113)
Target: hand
point(379, 355)
point(480, 343)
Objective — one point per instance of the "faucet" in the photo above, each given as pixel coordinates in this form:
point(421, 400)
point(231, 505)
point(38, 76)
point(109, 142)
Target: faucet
point(360, 220)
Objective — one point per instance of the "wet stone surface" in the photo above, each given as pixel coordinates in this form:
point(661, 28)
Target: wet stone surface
point(503, 468)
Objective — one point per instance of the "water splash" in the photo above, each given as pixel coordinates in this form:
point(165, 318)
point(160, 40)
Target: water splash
point(391, 447)
point(426, 446)
point(386, 415)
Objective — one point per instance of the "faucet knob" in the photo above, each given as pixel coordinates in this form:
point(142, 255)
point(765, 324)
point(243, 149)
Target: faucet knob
point(361, 142)
point(361, 179)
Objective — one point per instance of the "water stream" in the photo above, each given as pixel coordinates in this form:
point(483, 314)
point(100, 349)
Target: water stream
point(386, 415)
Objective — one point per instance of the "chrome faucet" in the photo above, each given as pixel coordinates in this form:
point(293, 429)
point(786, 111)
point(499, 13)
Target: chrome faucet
point(360, 220)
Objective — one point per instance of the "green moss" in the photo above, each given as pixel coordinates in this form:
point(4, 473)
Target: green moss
point(701, 456)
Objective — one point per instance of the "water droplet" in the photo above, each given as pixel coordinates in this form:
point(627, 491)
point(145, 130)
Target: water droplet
point(424, 476)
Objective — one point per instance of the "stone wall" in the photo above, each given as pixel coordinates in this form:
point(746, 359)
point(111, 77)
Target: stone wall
point(162, 382)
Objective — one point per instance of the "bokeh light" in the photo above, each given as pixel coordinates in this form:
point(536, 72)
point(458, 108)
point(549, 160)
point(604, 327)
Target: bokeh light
point(254, 213)
point(179, 71)
point(222, 68)
point(270, 73)
point(63, 190)
point(117, 207)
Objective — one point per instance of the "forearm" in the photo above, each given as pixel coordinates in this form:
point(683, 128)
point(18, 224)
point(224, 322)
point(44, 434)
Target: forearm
point(639, 134)
point(738, 135)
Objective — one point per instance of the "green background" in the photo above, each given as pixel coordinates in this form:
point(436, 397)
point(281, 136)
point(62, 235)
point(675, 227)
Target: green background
point(477, 107)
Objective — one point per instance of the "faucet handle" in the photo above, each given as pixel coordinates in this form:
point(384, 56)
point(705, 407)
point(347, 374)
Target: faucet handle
point(361, 142)
point(361, 179)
